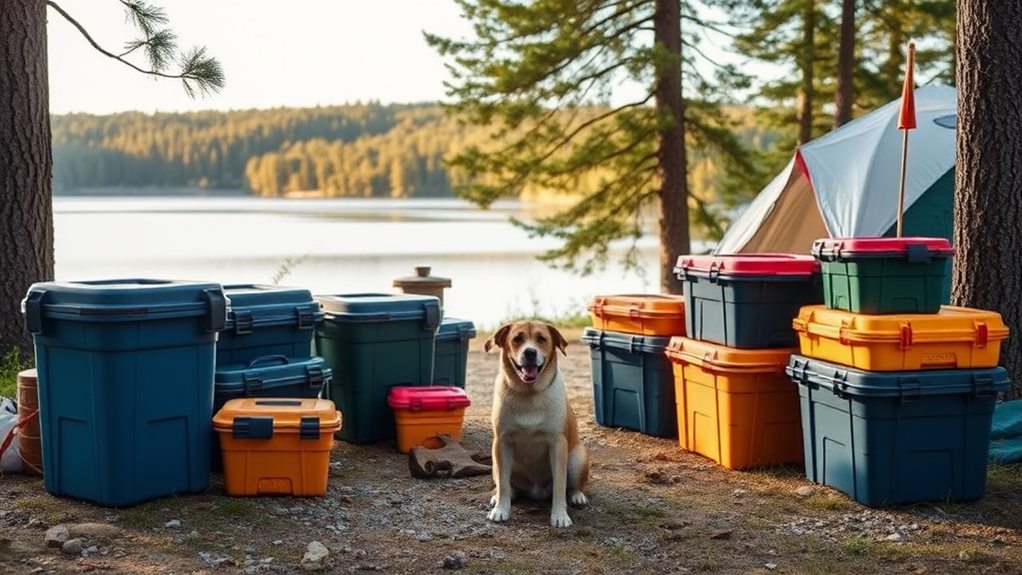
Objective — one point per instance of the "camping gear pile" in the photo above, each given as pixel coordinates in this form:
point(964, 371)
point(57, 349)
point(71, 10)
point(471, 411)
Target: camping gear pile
point(145, 386)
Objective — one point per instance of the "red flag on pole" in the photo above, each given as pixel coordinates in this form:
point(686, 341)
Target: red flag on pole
point(907, 119)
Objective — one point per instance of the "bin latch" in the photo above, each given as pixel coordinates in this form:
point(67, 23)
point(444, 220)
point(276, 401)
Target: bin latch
point(910, 389)
point(32, 307)
point(917, 254)
point(714, 272)
point(306, 320)
point(252, 428)
point(982, 334)
point(309, 427)
point(252, 383)
point(983, 386)
point(315, 376)
point(242, 322)
point(906, 336)
point(432, 319)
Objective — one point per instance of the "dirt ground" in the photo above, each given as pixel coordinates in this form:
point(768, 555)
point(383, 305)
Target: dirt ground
point(654, 509)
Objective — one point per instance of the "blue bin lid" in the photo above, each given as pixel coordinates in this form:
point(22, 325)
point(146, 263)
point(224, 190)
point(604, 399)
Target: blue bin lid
point(269, 372)
point(848, 381)
point(124, 300)
point(454, 329)
point(253, 305)
point(381, 307)
point(599, 339)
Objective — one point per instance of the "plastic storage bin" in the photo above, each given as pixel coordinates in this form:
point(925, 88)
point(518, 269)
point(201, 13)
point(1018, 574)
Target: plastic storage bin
point(660, 315)
point(374, 342)
point(736, 407)
point(274, 446)
point(450, 363)
point(884, 275)
point(125, 385)
point(747, 301)
point(424, 412)
point(889, 438)
point(267, 320)
point(271, 376)
point(957, 337)
point(632, 385)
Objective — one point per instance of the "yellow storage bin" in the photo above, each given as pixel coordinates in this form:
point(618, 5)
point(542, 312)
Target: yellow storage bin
point(954, 338)
point(276, 446)
point(736, 406)
point(644, 314)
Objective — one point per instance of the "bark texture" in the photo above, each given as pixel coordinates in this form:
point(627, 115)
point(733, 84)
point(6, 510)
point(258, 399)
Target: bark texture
point(844, 96)
point(805, 97)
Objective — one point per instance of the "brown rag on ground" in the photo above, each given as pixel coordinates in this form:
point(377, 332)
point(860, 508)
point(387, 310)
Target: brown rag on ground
point(448, 459)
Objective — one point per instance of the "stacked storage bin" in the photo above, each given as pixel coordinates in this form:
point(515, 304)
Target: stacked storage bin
point(897, 392)
point(632, 386)
point(734, 403)
point(265, 349)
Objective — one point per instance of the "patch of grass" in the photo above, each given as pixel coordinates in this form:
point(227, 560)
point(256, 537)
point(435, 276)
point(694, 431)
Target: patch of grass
point(1006, 478)
point(10, 365)
point(236, 508)
point(44, 507)
point(144, 515)
point(876, 550)
point(828, 502)
point(707, 565)
point(636, 514)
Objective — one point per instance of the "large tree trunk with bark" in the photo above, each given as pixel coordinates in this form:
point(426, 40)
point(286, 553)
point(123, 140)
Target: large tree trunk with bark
point(674, 238)
point(844, 97)
point(805, 98)
point(988, 179)
point(26, 215)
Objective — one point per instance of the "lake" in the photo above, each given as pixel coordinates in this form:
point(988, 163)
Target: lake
point(335, 246)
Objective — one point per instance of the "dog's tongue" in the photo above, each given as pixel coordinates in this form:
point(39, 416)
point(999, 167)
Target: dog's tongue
point(530, 371)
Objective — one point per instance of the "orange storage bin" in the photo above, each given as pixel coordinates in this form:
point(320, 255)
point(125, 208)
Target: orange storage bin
point(647, 314)
point(276, 446)
point(425, 412)
point(955, 338)
point(736, 406)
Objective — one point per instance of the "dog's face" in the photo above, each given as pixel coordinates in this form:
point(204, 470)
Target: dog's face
point(529, 352)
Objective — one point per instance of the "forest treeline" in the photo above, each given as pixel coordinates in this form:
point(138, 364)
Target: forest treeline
point(357, 150)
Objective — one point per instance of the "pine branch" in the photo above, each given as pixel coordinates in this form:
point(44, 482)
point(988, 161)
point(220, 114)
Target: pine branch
point(199, 72)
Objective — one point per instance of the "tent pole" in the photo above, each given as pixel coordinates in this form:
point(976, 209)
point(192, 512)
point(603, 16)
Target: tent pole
point(901, 187)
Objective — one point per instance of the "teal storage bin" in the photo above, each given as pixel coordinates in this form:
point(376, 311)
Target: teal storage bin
point(270, 376)
point(450, 363)
point(125, 386)
point(267, 320)
point(897, 437)
point(633, 382)
point(374, 342)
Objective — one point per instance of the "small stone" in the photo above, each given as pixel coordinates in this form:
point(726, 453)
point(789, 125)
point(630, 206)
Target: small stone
point(347, 499)
point(964, 556)
point(770, 566)
point(72, 547)
point(424, 536)
point(267, 561)
point(91, 550)
point(173, 524)
point(739, 492)
point(57, 536)
point(675, 524)
point(454, 561)
point(278, 542)
point(316, 555)
point(722, 535)
point(93, 530)
point(895, 537)
point(194, 534)
point(804, 491)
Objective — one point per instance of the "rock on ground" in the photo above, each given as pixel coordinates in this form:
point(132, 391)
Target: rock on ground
point(316, 555)
point(72, 547)
point(56, 536)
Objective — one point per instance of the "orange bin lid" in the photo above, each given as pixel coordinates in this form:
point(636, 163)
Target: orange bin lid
point(714, 357)
point(287, 413)
point(639, 305)
point(949, 325)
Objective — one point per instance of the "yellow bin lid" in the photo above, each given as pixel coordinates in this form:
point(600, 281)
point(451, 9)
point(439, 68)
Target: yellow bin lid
point(283, 415)
point(639, 305)
point(713, 357)
point(951, 324)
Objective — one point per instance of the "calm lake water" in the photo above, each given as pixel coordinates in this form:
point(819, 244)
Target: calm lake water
point(334, 246)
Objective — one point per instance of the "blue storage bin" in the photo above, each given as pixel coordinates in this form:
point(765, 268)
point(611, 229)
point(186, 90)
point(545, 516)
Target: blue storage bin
point(125, 385)
point(270, 376)
point(374, 342)
point(633, 382)
point(897, 437)
point(267, 320)
point(450, 360)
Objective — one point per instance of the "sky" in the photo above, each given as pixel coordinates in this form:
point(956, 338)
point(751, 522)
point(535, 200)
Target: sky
point(274, 53)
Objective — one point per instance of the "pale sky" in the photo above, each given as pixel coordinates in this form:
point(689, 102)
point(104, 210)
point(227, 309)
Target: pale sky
point(274, 53)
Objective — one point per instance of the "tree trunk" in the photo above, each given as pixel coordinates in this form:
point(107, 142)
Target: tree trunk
point(844, 97)
point(805, 104)
point(988, 182)
point(674, 239)
point(26, 216)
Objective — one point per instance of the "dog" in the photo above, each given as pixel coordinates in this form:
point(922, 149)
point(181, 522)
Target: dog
point(536, 447)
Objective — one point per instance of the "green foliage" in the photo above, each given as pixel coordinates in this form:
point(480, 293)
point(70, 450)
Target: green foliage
point(10, 365)
point(539, 77)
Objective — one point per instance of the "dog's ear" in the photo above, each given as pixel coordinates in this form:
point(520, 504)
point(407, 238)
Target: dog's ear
point(499, 338)
point(559, 341)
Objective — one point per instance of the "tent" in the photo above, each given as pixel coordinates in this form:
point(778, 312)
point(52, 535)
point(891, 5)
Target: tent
point(845, 183)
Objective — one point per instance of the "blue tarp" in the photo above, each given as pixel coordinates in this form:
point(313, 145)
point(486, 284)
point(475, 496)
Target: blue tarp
point(1006, 433)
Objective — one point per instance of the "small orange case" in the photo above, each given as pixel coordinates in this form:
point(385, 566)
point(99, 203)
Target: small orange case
point(647, 314)
point(276, 446)
point(736, 406)
point(425, 412)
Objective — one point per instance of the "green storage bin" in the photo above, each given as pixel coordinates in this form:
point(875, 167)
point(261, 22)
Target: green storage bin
point(885, 275)
point(450, 363)
point(373, 342)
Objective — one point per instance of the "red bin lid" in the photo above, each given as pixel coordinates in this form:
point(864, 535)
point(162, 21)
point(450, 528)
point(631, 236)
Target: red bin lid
point(429, 398)
point(878, 245)
point(750, 264)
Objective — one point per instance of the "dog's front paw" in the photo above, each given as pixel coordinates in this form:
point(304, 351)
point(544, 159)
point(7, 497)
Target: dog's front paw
point(499, 514)
point(578, 499)
point(560, 518)
point(493, 500)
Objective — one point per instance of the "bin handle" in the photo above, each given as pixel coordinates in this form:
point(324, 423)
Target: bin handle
point(275, 358)
point(217, 309)
point(32, 306)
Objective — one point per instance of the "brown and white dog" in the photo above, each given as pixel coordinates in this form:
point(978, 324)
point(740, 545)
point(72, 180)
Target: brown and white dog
point(536, 448)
